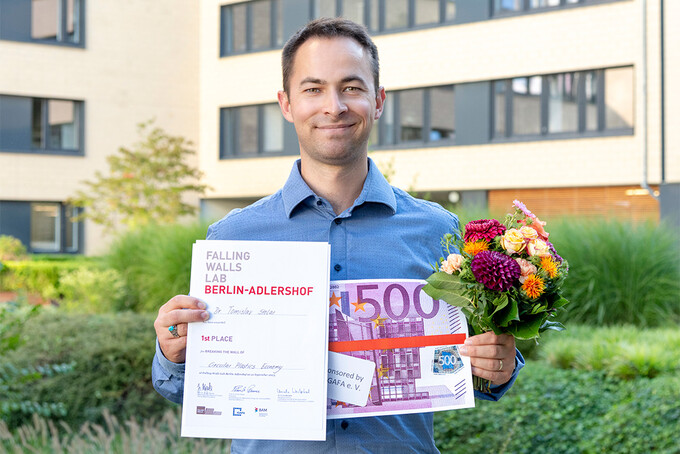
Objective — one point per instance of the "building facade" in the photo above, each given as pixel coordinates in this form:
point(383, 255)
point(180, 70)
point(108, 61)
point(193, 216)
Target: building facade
point(76, 78)
point(557, 102)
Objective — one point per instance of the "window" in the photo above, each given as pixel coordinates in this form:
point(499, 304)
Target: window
point(53, 227)
point(251, 27)
point(45, 227)
point(41, 125)
point(566, 103)
point(518, 6)
point(259, 24)
point(416, 117)
point(251, 131)
point(44, 21)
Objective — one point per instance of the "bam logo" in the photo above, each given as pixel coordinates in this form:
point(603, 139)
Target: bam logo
point(261, 411)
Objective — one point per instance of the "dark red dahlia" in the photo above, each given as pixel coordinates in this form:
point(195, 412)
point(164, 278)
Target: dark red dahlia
point(495, 270)
point(483, 229)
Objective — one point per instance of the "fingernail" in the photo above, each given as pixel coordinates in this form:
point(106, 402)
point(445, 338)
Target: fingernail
point(463, 350)
point(201, 305)
point(205, 315)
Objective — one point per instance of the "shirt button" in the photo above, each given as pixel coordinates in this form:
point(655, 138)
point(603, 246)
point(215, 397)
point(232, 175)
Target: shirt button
point(337, 267)
point(319, 202)
point(344, 425)
point(338, 221)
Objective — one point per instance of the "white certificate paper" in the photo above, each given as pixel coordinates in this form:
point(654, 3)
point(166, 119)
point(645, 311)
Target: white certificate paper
point(258, 367)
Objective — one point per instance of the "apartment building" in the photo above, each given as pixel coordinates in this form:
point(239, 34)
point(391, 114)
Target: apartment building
point(557, 102)
point(76, 78)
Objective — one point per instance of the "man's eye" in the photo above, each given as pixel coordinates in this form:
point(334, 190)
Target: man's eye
point(312, 90)
point(352, 89)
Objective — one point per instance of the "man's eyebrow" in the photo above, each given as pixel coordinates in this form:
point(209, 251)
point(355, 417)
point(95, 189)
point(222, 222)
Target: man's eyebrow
point(312, 80)
point(350, 78)
point(354, 78)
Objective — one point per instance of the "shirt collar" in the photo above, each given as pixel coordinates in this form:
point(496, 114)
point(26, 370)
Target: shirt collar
point(376, 189)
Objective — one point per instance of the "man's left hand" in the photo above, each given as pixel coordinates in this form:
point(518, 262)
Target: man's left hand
point(492, 356)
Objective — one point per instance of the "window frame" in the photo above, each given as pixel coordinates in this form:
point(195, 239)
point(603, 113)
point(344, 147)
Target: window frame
point(602, 130)
point(79, 113)
point(226, 38)
point(62, 230)
point(526, 7)
point(229, 134)
point(62, 19)
point(394, 142)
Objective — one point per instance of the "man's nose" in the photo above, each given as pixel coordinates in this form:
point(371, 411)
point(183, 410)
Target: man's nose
point(335, 106)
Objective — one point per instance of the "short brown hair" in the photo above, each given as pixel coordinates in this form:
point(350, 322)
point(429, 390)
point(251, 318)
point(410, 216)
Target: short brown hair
point(328, 28)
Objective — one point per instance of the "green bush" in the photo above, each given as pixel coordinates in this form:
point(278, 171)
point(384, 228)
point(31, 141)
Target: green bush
point(11, 248)
point(625, 352)
point(620, 273)
point(111, 353)
point(13, 317)
point(92, 291)
point(155, 263)
point(37, 276)
point(567, 411)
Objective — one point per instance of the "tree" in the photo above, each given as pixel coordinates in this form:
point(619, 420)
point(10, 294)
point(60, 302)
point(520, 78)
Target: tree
point(146, 183)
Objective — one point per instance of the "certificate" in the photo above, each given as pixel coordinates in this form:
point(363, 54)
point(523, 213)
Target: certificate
point(258, 367)
point(394, 350)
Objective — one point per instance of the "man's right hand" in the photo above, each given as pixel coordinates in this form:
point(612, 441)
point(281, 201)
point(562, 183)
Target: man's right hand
point(178, 312)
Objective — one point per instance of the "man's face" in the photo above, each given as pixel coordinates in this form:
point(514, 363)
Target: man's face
point(332, 100)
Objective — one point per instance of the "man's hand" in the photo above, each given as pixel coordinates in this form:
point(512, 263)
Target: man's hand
point(177, 312)
point(491, 356)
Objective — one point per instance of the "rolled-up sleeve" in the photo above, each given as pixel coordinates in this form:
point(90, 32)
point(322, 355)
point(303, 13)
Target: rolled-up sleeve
point(167, 377)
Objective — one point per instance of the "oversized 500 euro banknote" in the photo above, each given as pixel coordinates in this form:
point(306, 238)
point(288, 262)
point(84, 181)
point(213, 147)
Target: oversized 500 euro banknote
point(393, 349)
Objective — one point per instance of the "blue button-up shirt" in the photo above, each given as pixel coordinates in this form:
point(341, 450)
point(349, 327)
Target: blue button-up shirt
point(385, 234)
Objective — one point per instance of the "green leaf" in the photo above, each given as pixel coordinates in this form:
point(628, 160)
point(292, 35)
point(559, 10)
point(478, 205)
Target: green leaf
point(560, 302)
point(509, 313)
point(527, 329)
point(556, 326)
point(499, 303)
point(447, 287)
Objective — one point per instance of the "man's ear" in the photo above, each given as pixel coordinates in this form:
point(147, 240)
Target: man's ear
point(284, 103)
point(379, 103)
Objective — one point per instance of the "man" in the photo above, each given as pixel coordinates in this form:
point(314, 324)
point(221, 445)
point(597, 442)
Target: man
point(336, 194)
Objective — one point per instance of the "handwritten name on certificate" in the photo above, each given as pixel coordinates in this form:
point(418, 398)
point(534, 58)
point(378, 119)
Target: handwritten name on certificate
point(258, 367)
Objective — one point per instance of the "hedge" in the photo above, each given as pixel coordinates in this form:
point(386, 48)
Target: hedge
point(111, 356)
point(568, 411)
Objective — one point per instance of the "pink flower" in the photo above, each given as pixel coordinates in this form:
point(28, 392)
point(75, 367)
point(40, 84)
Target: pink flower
point(452, 263)
point(520, 206)
point(483, 229)
point(526, 268)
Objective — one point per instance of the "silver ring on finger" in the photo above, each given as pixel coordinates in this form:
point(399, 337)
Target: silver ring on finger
point(173, 330)
point(500, 367)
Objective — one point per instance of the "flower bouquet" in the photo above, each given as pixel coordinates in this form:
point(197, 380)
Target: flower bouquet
point(505, 277)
